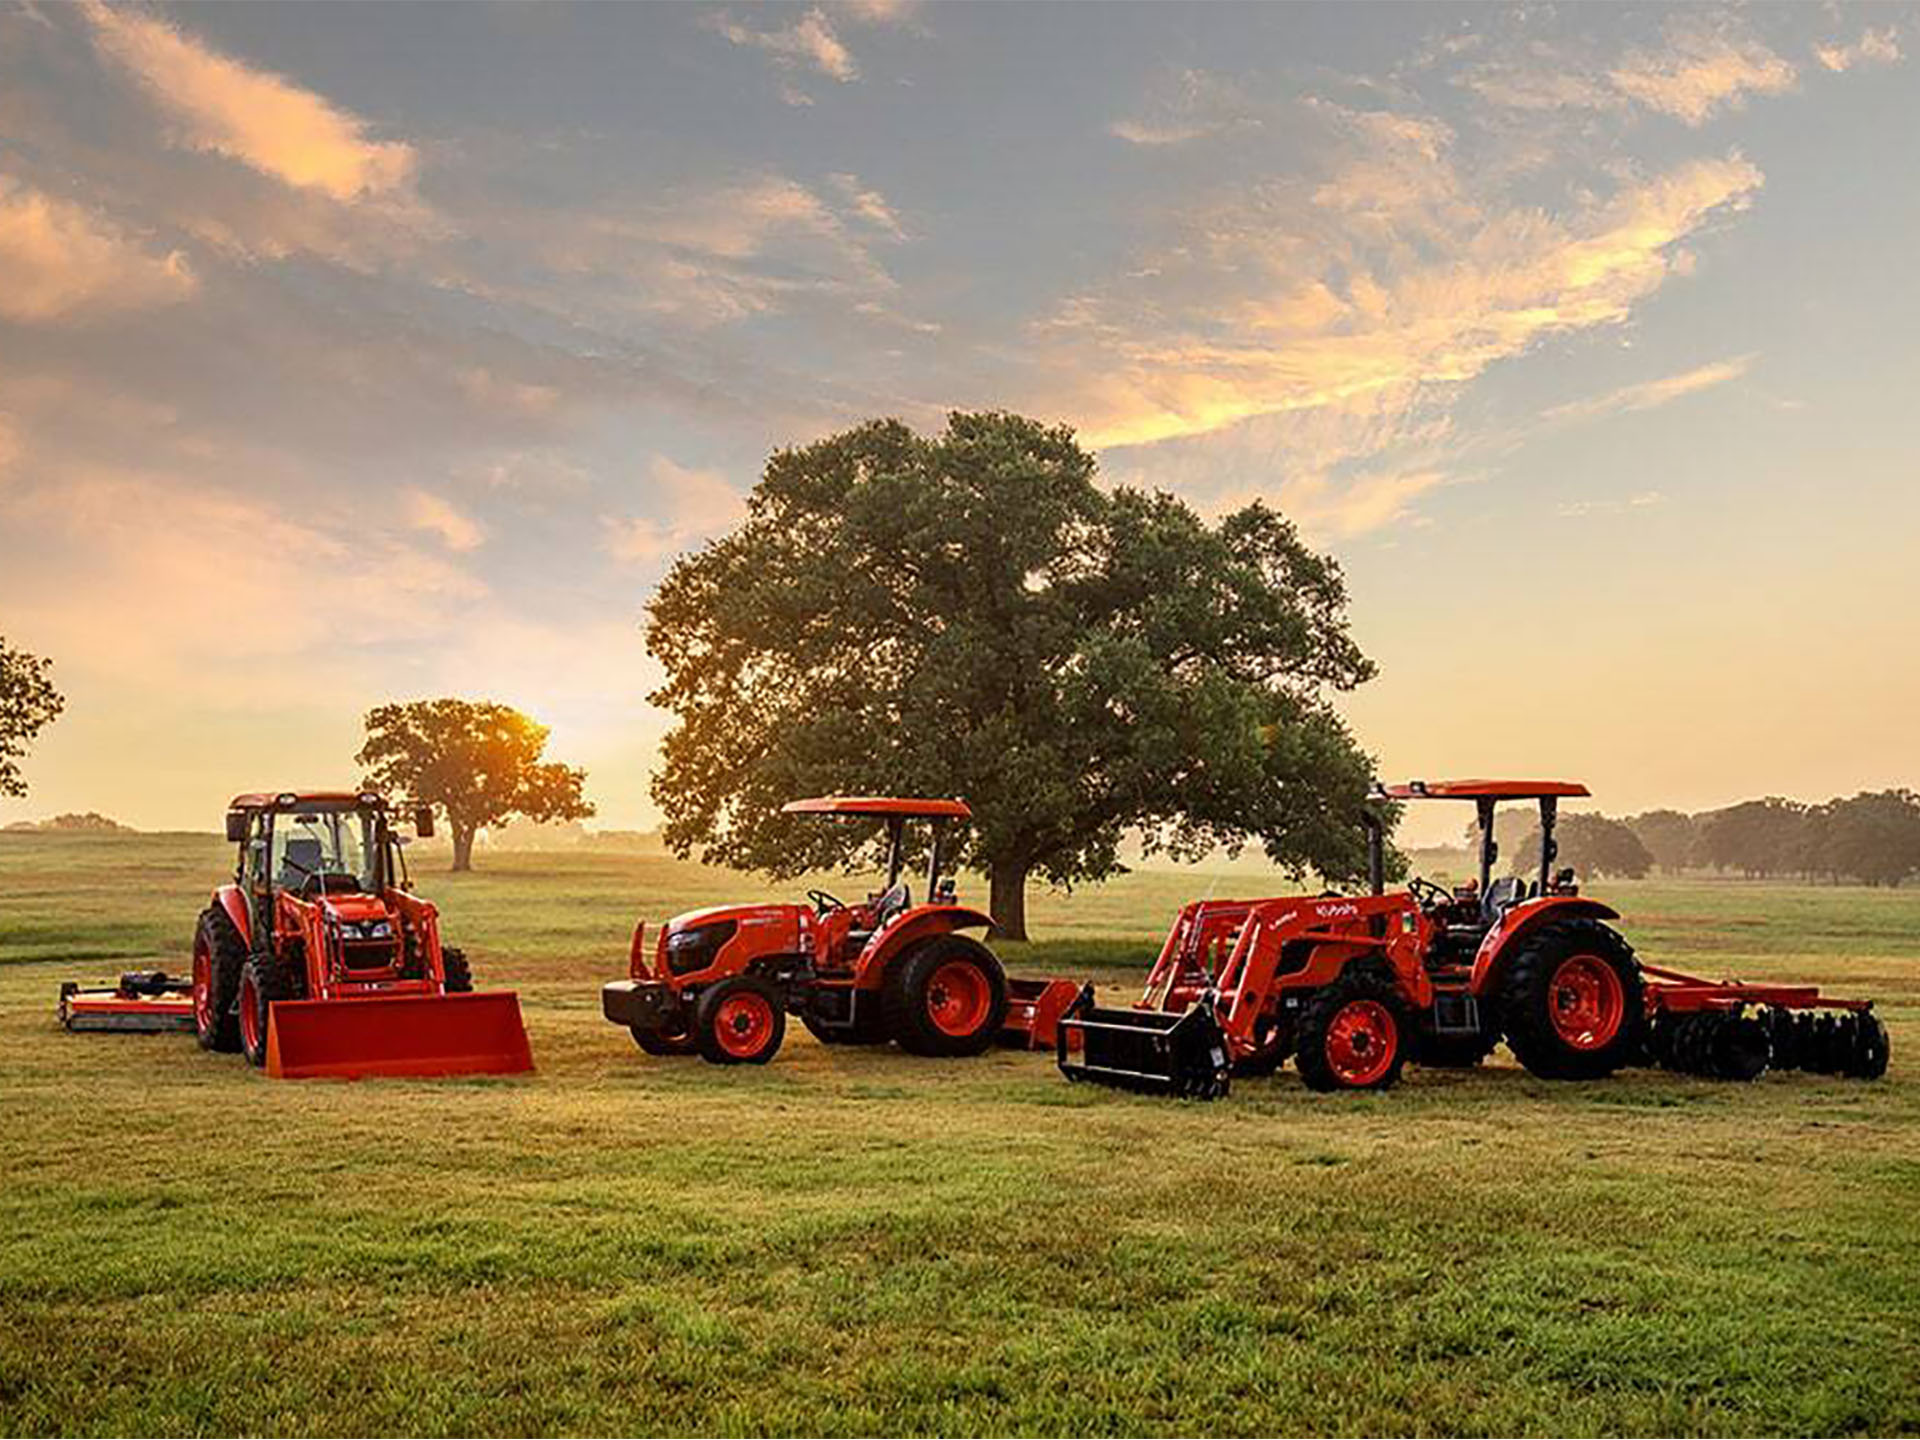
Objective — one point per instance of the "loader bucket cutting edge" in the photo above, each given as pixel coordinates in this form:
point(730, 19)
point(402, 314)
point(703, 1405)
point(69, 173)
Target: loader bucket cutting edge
point(1152, 1051)
point(398, 1035)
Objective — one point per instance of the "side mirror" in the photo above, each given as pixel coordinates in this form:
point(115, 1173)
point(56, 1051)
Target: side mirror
point(423, 822)
point(236, 826)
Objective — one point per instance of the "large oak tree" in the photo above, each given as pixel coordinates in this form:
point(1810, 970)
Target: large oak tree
point(476, 761)
point(971, 614)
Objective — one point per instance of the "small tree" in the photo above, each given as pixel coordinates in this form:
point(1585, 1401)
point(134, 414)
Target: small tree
point(28, 704)
point(475, 761)
point(971, 615)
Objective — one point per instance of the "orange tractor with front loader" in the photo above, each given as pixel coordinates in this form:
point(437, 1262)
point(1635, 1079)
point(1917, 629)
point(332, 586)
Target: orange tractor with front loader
point(892, 967)
point(317, 959)
point(1351, 987)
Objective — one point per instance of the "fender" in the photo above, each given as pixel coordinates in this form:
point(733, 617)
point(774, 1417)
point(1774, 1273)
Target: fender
point(230, 899)
point(1521, 920)
point(923, 922)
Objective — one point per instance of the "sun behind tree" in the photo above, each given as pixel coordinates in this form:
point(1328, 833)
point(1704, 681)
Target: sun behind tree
point(970, 615)
point(477, 761)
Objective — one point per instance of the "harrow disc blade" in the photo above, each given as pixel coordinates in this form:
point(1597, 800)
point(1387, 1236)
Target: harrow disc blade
point(1741, 1048)
point(1871, 1048)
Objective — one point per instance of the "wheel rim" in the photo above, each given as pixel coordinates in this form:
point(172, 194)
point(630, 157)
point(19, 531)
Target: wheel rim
point(202, 989)
point(958, 998)
point(249, 1015)
point(743, 1024)
point(1361, 1042)
point(1586, 1002)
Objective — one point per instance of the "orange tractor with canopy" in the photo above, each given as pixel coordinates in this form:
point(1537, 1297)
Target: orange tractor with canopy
point(892, 967)
point(317, 959)
point(1351, 987)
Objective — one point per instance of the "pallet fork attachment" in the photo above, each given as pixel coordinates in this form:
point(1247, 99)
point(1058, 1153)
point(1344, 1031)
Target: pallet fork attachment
point(1150, 1051)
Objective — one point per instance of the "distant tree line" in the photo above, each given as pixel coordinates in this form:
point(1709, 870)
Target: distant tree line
point(1873, 838)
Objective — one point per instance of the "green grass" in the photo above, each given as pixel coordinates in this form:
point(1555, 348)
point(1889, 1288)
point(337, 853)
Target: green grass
point(855, 1241)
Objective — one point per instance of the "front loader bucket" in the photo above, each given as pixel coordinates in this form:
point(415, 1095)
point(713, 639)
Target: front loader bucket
point(462, 1034)
point(1152, 1051)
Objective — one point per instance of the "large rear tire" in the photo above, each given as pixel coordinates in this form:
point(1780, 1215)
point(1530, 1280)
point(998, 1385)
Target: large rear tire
point(740, 1021)
point(946, 996)
point(218, 955)
point(1572, 1001)
point(1352, 1035)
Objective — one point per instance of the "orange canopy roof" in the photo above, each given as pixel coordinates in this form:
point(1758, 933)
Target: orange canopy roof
point(261, 800)
point(1480, 789)
point(879, 805)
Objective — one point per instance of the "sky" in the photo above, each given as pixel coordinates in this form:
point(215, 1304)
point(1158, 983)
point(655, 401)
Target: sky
point(358, 353)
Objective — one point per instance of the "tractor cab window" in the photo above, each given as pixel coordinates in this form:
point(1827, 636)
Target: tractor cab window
point(334, 848)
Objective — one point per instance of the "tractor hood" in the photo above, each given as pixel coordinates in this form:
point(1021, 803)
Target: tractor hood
point(354, 909)
point(742, 915)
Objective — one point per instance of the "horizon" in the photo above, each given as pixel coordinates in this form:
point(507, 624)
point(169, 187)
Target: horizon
point(356, 356)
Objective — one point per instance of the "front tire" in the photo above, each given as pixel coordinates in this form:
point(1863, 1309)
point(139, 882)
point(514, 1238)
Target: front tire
point(218, 955)
point(946, 996)
point(1572, 1002)
point(458, 973)
point(1352, 1035)
point(263, 980)
point(739, 1021)
point(667, 1041)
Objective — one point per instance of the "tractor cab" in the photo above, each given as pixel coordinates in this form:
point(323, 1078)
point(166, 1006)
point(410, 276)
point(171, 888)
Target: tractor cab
point(842, 931)
point(1463, 914)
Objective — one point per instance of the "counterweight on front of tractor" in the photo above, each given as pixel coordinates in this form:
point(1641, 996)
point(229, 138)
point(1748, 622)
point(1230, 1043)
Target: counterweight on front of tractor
point(1353, 987)
point(318, 960)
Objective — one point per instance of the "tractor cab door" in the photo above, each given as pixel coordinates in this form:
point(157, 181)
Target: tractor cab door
point(255, 882)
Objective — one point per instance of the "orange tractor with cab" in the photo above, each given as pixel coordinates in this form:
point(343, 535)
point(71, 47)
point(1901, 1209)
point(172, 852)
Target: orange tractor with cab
point(893, 967)
point(1352, 987)
point(317, 958)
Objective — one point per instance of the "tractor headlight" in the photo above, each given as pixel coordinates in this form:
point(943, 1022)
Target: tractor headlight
point(694, 949)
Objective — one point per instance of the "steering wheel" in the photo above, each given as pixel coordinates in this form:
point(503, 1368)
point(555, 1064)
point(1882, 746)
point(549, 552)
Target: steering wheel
point(823, 902)
point(1428, 894)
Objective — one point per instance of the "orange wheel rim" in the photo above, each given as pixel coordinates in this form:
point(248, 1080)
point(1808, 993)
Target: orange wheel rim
point(743, 1024)
point(958, 998)
point(1361, 1042)
point(249, 1015)
point(1586, 1002)
point(202, 989)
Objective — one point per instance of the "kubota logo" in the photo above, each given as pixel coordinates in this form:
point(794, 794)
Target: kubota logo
point(1327, 910)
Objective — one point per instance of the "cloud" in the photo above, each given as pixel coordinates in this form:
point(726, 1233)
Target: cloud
point(438, 517)
point(1642, 500)
point(1186, 105)
point(9, 443)
point(260, 119)
point(1700, 69)
point(1650, 394)
point(1257, 336)
point(809, 42)
point(59, 260)
point(869, 205)
point(694, 504)
point(1874, 47)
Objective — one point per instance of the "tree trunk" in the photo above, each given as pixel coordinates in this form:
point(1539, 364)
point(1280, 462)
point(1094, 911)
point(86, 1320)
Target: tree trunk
point(1008, 905)
point(462, 846)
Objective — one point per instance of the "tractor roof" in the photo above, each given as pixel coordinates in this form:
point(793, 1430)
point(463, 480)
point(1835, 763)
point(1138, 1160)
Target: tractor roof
point(879, 805)
point(268, 800)
point(1480, 789)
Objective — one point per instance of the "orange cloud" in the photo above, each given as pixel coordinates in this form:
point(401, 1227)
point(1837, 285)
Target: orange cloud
point(696, 504)
point(255, 117)
point(1650, 394)
point(428, 512)
point(809, 41)
point(1874, 47)
point(60, 260)
point(1699, 70)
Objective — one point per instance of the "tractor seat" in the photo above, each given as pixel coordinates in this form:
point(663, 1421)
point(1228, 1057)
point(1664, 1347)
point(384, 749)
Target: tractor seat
point(304, 859)
point(1502, 895)
point(889, 903)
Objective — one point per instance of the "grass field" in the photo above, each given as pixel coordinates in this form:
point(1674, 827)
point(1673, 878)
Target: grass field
point(856, 1241)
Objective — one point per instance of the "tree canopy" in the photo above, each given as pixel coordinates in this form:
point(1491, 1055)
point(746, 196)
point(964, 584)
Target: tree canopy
point(1670, 837)
point(970, 614)
point(476, 761)
point(1593, 845)
point(28, 704)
